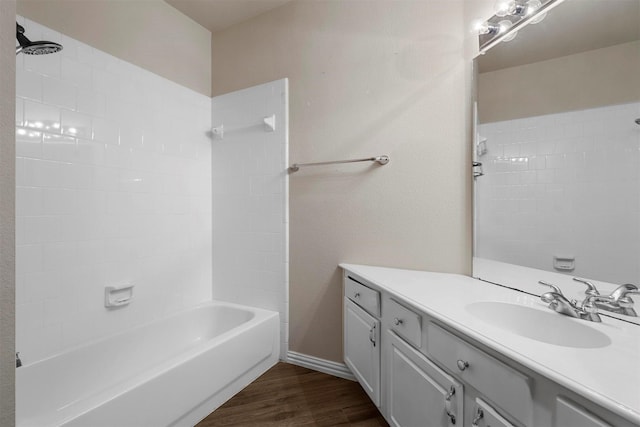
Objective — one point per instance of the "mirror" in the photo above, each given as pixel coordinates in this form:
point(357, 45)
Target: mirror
point(558, 139)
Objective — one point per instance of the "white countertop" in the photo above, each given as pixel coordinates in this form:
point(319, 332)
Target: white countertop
point(609, 376)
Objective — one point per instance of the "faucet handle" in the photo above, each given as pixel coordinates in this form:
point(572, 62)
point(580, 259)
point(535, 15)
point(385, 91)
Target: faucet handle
point(625, 302)
point(589, 303)
point(622, 291)
point(549, 297)
point(552, 286)
point(591, 288)
point(590, 308)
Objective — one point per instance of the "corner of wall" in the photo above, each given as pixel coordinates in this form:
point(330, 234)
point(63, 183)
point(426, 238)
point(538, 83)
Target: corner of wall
point(7, 210)
point(150, 34)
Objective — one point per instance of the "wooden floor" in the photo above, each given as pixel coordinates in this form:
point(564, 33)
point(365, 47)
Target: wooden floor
point(289, 395)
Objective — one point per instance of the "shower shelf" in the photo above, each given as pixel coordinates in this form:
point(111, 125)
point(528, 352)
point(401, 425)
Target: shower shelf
point(268, 123)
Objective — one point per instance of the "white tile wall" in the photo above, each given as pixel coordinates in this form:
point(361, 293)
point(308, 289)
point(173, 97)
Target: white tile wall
point(114, 185)
point(250, 187)
point(563, 184)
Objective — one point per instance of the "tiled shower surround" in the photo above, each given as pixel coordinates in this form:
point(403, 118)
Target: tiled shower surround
point(113, 186)
point(250, 187)
point(563, 185)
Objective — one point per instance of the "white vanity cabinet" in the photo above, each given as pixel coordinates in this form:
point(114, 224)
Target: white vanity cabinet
point(385, 348)
point(362, 336)
point(425, 369)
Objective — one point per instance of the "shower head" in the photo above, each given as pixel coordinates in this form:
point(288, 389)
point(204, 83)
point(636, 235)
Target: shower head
point(34, 48)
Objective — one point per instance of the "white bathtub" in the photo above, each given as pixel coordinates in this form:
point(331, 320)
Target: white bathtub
point(171, 372)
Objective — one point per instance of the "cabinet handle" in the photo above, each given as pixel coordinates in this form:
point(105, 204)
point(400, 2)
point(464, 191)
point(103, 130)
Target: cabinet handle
point(462, 364)
point(477, 418)
point(397, 321)
point(447, 405)
point(452, 392)
point(372, 335)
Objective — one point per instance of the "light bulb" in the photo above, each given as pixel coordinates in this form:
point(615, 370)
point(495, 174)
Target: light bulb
point(504, 27)
point(479, 26)
point(517, 8)
point(486, 28)
point(502, 7)
point(510, 37)
point(511, 7)
point(532, 8)
point(538, 18)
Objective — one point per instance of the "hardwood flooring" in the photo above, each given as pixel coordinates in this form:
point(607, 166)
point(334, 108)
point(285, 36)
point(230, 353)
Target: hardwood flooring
point(289, 395)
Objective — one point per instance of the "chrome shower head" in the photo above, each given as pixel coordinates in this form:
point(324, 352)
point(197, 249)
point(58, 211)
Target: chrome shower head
point(34, 48)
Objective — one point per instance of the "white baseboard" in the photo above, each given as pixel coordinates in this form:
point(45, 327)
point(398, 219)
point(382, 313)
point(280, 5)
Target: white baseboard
point(320, 365)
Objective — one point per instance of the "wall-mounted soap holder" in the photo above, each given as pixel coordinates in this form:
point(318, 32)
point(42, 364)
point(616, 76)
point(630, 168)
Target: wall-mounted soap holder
point(118, 296)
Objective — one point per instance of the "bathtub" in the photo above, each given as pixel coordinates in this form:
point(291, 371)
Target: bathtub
point(171, 372)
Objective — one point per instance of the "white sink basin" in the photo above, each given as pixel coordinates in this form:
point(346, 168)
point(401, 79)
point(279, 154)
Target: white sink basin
point(548, 327)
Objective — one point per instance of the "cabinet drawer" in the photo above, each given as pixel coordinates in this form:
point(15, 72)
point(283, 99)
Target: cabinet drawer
point(405, 322)
point(365, 297)
point(485, 416)
point(569, 414)
point(503, 385)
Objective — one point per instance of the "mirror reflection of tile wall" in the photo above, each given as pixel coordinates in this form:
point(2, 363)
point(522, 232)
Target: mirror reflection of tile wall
point(556, 183)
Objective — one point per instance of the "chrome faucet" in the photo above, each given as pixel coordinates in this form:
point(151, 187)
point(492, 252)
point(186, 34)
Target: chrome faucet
point(617, 302)
point(591, 288)
point(624, 303)
point(559, 303)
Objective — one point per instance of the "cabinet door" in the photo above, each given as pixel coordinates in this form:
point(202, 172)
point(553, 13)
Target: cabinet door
point(420, 393)
point(362, 348)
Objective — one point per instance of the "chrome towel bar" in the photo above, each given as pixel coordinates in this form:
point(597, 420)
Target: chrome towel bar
point(383, 160)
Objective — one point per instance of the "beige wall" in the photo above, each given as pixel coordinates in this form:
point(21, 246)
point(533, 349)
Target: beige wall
point(590, 79)
point(7, 212)
point(366, 78)
point(147, 33)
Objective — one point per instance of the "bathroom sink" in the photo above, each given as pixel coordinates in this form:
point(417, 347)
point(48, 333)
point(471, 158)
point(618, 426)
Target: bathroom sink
point(548, 327)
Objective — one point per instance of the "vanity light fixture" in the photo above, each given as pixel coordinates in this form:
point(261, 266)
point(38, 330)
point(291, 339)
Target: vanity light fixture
point(513, 7)
point(510, 16)
point(489, 28)
point(522, 8)
point(486, 28)
point(496, 29)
